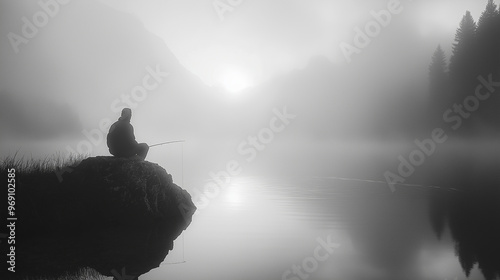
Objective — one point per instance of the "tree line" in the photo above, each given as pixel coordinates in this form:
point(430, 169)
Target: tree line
point(475, 53)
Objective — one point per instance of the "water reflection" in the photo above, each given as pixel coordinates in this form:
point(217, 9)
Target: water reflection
point(258, 227)
point(472, 215)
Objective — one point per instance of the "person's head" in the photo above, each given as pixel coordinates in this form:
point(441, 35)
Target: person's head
point(126, 114)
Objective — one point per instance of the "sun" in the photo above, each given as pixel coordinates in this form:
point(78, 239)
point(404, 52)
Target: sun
point(235, 81)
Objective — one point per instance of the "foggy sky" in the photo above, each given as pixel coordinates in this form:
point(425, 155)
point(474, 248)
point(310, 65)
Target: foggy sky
point(93, 52)
point(81, 68)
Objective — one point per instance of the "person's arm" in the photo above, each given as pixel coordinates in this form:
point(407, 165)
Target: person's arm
point(131, 136)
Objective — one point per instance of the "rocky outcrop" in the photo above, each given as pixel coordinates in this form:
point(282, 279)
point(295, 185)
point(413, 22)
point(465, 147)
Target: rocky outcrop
point(108, 215)
point(115, 191)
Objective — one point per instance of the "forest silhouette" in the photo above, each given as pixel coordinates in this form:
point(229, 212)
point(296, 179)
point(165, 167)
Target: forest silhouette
point(454, 85)
point(472, 214)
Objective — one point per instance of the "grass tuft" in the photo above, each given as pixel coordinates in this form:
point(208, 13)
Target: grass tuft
point(32, 166)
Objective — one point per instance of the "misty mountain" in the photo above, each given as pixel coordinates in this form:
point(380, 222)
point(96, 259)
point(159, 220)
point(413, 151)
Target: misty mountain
point(102, 54)
point(36, 118)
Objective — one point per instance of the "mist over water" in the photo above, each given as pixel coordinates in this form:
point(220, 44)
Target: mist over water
point(318, 139)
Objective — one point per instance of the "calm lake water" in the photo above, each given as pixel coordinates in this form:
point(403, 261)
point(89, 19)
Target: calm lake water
point(258, 228)
point(269, 227)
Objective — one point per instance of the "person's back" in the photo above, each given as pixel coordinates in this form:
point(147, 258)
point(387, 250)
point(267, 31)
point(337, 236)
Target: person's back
point(121, 139)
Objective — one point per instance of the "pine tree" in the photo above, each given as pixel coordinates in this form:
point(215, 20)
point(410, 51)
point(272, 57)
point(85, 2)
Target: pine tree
point(488, 40)
point(489, 13)
point(438, 86)
point(463, 65)
point(438, 71)
point(488, 59)
point(463, 69)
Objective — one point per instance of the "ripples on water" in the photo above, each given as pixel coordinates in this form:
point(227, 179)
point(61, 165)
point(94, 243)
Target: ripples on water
point(258, 227)
point(269, 224)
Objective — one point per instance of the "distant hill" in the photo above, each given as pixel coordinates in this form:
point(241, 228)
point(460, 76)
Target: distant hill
point(36, 118)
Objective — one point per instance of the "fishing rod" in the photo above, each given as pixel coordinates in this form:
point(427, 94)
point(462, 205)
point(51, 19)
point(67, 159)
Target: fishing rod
point(169, 142)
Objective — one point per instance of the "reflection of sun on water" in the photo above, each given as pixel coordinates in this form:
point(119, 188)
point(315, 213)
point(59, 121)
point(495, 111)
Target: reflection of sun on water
point(236, 194)
point(233, 196)
point(233, 193)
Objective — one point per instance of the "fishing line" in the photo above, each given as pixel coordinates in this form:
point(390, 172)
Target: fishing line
point(182, 183)
point(384, 182)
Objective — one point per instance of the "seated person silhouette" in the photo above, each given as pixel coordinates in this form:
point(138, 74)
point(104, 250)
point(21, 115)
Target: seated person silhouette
point(121, 138)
